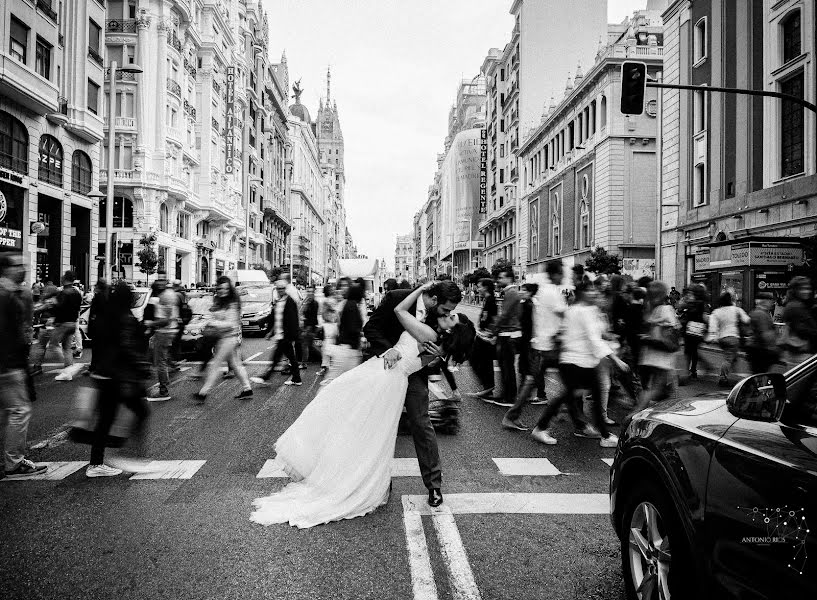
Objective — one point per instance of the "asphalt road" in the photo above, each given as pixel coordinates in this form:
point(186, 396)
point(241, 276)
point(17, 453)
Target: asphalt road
point(546, 536)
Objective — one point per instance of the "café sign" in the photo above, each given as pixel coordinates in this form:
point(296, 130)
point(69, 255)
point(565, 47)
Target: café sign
point(11, 239)
point(750, 254)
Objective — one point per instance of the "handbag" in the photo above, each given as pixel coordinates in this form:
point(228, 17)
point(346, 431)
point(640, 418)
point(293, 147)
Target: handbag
point(86, 411)
point(696, 329)
point(665, 338)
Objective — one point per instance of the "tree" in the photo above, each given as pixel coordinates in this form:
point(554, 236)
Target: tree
point(602, 263)
point(148, 259)
point(501, 265)
point(473, 278)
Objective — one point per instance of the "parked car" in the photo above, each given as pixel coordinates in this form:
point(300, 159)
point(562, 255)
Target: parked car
point(140, 301)
point(192, 336)
point(256, 304)
point(715, 496)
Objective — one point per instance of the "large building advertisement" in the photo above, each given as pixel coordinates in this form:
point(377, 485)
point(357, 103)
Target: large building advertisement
point(460, 192)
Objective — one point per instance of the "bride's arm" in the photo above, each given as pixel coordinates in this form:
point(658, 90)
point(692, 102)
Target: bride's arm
point(419, 331)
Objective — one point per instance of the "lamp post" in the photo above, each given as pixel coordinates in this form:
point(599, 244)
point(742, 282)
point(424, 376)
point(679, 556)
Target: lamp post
point(131, 68)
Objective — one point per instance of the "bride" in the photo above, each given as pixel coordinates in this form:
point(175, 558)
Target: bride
point(339, 451)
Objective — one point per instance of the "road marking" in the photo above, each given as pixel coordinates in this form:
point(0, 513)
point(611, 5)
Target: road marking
point(405, 467)
point(526, 466)
point(271, 469)
point(517, 503)
point(608, 461)
point(253, 356)
point(55, 471)
point(437, 391)
point(463, 585)
point(170, 469)
point(422, 577)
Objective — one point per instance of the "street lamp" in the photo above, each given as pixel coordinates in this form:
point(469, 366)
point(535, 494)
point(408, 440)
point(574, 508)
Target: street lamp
point(130, 68)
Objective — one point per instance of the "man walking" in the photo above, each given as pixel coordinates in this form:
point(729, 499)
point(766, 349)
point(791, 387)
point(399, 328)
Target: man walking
point(509, 331)
point(65, 314)
point(15, 338)
point(309, 311)
point(285, 332)
point(165, 323)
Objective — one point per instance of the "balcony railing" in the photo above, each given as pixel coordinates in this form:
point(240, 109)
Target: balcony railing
point(214, 123)
point(123, 122)
point(45, 8)
point(120, 25)
point(120, 174)
point(174, 133)
point(188, 66)
point(190, 110)
point(174, 88)
point(120, 75)
point(92, 52)
point(174, 41)
point(216, 86)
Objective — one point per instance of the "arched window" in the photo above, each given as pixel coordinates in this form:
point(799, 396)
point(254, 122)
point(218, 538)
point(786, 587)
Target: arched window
point(164, 218)
point(50, 159)
point(81, 172)
point(122, 212)
point(792, 39)
point(603, 109)
point(13, 144)
point(534, 230)
point(556, 225)
point(584, 224)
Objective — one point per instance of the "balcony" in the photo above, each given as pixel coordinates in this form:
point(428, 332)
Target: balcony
point(26, 87)
point(95, 55)
point(190, 110)
point(123, 123)
point(174, 42)
point(175, 135)
point(188, 66)
point(44, 6)
point(121, 176)
point(216, 87)
point(514, 174)
point(514, 144)
point(120, 75)
point(174, 88)
point(121, 26)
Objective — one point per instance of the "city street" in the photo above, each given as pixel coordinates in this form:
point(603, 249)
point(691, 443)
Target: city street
point(520, 520)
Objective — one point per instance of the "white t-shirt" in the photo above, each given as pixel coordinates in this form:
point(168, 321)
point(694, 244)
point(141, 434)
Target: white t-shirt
point(582, 344)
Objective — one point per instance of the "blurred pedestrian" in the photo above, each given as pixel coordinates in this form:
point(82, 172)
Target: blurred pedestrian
point(120, 372)
point(347, 353)
point(284, 330)
point(484, 352)
point(799, 338)
point(161, 317)
point(389, 285)
point(225, 325)
point(15, 341)
point(96, 319)
point(329, 317)
point(508, 331)
point(761, 348)
point(726, 325)
point(309, 319)
point(37, 289)
point(693, 319)
point(674, 297)
point(405, 285)
point(185, 316)
point(65, 312)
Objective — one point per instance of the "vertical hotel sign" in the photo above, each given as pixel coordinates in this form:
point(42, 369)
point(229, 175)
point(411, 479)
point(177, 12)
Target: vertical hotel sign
point(483, 171)
point(229, 133)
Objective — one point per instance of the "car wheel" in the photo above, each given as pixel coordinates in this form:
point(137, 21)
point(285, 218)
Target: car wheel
point(655, 553)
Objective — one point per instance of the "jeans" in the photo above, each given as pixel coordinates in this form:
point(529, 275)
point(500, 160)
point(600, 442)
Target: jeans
point(162, 340)
point(730, 346)
point(604, 374)
point(576, 378)
point(538, 363)
point(307, 339)
point(16, 407)
point(60, 337)
point(330, 336)
point(285, 348)
point(226, 351)
point(112, 394)
point(506, 349)
point(691, 344)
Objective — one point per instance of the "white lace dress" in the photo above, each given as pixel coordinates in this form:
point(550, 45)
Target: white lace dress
point(339, 450)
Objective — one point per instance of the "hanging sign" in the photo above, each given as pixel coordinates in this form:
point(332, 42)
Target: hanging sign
point(483, 171)
point(229, 122)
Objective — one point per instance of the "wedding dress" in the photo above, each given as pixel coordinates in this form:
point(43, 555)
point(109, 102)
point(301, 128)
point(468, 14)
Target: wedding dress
point(339, 450)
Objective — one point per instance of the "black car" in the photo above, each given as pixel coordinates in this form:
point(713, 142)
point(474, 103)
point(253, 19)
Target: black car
point(256, 304)
point(715, 496)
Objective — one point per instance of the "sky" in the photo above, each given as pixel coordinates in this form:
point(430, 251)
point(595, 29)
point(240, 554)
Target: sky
point(396, 65)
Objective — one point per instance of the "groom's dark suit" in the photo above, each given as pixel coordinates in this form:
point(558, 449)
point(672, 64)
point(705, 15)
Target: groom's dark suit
point(382, 331)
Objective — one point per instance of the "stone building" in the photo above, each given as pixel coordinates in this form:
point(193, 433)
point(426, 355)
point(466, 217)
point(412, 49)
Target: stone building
point(404, 257)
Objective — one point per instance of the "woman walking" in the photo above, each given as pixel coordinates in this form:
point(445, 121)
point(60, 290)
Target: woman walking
point(329, 315)
point(725, 325)
point(582, 350)
point(799, 339)
point(484, 352)
point(346, 354)
point(226, 325)
point(693, 320)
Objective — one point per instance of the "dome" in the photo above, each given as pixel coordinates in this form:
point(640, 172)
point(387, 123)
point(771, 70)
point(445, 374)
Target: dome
point(300, 111)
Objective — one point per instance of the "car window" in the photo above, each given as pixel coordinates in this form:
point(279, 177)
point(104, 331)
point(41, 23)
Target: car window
point(256, 294)
point(200, 305)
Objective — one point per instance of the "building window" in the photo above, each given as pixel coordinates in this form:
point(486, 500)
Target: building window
point(534, 230)
point(42, 59)
point(13, 144)
point(164, 218)
point(81, 172)
point(94, 36)
point(93, 97)
point(18, 40)
point(699, 185)
point(584, 224)
point(183, 225)
point(555, 225)
point(792, 128)
point(603, 109)
point(699, 112)
point(122, 212)
point(50, 159)
point(792, 42)
point(699, 42)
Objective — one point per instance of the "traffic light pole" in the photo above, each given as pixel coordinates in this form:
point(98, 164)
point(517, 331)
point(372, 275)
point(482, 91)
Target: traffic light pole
point(659, 147)
point(740, 91)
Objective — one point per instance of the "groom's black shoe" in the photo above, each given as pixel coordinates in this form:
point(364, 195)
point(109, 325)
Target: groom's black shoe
point(435, 497)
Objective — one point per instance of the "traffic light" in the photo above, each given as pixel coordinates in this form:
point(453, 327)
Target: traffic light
point(633, 86)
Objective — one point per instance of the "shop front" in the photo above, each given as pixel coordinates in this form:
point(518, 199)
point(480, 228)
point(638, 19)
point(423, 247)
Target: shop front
point(11, 218)
point(747, 267)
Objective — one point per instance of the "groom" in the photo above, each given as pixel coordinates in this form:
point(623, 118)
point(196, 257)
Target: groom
point(382, 331)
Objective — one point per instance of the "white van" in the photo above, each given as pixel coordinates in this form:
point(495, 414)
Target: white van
point(248, 277)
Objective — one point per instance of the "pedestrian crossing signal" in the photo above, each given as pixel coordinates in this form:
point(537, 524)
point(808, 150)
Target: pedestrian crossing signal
point(633, 86)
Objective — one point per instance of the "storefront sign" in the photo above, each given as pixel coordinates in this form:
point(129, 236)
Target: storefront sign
point(702, 260)
point(4, 207)
point(11, 239)
point(776, 254)
point(229, 103)
point(772, 282)
point(11, 176)
point(483, 171)
point(37, 227)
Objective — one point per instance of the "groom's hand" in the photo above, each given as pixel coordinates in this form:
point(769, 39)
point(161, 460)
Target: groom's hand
point(390, 358)
point(433, 349)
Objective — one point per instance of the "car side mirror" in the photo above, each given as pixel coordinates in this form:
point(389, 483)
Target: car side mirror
point(759, 397)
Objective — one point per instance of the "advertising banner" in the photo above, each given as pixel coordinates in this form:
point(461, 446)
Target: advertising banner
point(483, 172)
point(229, 123)
point(460, 190)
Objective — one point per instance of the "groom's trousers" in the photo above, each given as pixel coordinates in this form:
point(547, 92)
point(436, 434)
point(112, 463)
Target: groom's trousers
point(425, 439)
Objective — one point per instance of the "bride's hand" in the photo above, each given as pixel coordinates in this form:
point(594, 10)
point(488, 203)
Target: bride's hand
point(390, 358)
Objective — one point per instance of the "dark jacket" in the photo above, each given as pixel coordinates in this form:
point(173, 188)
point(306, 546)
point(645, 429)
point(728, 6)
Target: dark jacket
point(526, 321)
point(13, 342)
point(350, 325)
point(383, 329)
point(508, 320)
point(800, 319)
point(310, 309)
point(291, 325)
point(122, 348)
point(96, 315)
point(488, 314)
point(69, 301)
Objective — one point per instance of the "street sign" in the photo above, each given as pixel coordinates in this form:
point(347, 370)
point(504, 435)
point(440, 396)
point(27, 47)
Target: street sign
point(633, 86)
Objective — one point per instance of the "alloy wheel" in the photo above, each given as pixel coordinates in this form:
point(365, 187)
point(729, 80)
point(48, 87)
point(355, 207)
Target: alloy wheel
point(650, 554)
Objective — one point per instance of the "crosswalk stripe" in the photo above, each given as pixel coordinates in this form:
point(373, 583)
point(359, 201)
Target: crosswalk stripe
point(170, 469)
point(56, 471)
point(526, 466)
point(608, 461)
point(515, 503)
point(270, 470)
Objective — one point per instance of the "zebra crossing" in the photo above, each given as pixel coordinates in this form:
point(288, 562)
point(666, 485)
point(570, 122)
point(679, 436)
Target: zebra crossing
point(187, 469)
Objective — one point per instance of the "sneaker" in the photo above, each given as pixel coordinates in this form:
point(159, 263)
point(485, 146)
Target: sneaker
point(102, 471)
point(589, 432)
point(517, 424)
point(483, 394)
point(291, 382)
point(64, 376)
point(159, 396)
point(26, 468)
point(543, 436)
point(259, 380)
point(611, 441)
point(244, 394)
point(500, 402)
point(538, 401)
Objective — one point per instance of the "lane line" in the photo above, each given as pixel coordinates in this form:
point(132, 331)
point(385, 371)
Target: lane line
point(608, 461)
point(56, 471)
point(57, 438)
point(526, 466)
point(460, 576)
point(246, 360)
point(517, 503)
point(170, 469)
point(422, 576)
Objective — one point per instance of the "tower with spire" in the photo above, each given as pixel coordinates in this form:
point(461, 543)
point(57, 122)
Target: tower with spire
point(330, 136)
